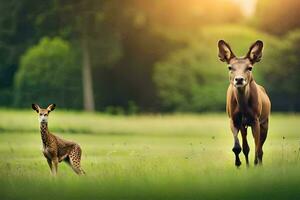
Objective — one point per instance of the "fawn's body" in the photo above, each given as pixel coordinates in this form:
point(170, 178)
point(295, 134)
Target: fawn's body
point(56, 149)
point(248, 104)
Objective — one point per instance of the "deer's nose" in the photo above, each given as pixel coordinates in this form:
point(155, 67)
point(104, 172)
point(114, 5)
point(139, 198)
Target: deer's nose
point(239, 79)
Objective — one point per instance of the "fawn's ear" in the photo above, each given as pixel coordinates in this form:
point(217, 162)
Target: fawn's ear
point(225, 52)
point(51, 107)
point(255, 52)
point(35, 107)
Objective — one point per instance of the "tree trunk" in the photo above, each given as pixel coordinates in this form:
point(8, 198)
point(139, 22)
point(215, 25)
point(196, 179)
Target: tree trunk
point(87, 81)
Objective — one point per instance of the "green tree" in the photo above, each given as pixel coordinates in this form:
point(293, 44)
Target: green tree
point(282, 77)
point(23, 23)
point(20, 28)
point(48, 73)
point(10, 48)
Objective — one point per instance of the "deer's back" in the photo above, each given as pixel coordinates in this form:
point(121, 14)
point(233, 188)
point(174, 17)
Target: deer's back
point(63, 147)
point(265, 101)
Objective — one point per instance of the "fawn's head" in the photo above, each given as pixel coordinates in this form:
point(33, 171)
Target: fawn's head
point(240, 69)
point(43, 113)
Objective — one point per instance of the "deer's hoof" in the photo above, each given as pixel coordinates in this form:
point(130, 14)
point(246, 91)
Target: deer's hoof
point(238, 163)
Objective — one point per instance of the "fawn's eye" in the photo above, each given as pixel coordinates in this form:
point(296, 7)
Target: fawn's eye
point(41, 114)
point(45, 115)
point(230, 68)
point(249, 69)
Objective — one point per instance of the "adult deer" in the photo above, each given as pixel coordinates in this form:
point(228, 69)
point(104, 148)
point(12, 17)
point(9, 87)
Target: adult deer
point(247, 102)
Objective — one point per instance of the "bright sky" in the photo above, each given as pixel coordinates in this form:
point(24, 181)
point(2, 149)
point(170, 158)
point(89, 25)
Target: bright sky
point(248, 6)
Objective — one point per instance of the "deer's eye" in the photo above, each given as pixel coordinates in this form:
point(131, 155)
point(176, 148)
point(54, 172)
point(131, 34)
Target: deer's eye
point(45, 115)
point(230, 68)
point(41, 114)
point(249, 69)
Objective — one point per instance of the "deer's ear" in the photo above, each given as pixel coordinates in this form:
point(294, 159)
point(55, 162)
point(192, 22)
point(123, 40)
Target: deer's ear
point(225, 52)
point(35, 107)
point(255, 51)
point(51, 107)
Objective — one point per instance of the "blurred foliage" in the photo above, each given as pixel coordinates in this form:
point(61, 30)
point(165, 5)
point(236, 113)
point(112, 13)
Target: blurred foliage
point(282, 76)
point(193, 78)
point(145, 31)
point(48, 74)
point(278, 17)
point(158, 55)
point(124, 39)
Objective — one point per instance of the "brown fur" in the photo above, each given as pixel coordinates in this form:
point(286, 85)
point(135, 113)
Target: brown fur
point(56, 149)
point(248, 104)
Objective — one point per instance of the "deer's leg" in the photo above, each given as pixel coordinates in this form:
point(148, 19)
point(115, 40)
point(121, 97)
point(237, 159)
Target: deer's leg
point(263, 135)
point(54, 165)
point(257, 139)
point(49, 163)
point(74, 160)
point(246, 148)
point(264, 131)
point(236, 147)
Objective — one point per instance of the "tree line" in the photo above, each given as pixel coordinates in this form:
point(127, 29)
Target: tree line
point(149, 56)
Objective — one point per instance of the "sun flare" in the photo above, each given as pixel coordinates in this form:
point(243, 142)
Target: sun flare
point(247, 6)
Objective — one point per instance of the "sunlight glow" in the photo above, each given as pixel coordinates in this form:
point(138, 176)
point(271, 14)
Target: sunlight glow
point(247, 6)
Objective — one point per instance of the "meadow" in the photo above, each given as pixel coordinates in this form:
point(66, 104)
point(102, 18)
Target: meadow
point(180, 156)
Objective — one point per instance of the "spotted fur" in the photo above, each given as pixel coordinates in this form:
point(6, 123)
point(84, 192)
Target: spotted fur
point(56, 149)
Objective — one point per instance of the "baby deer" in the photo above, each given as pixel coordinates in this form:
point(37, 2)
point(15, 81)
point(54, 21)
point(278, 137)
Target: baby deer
point(56, 149)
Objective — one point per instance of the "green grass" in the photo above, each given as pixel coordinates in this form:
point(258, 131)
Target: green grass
point(147, 157)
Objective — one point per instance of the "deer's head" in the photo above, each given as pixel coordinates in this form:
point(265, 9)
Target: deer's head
point(240, 69)
point(43, 113)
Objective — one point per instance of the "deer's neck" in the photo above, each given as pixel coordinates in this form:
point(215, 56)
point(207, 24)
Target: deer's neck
point(44, 132)
point(242, 97)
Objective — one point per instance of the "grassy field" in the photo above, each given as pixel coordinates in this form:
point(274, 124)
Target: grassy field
point(147, 157)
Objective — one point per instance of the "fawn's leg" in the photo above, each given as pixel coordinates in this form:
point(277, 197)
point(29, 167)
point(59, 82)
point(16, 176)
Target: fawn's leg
point(74, 160)
point(49, 163)
point(246, 148)
point(54, 165)
point(236, 147)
